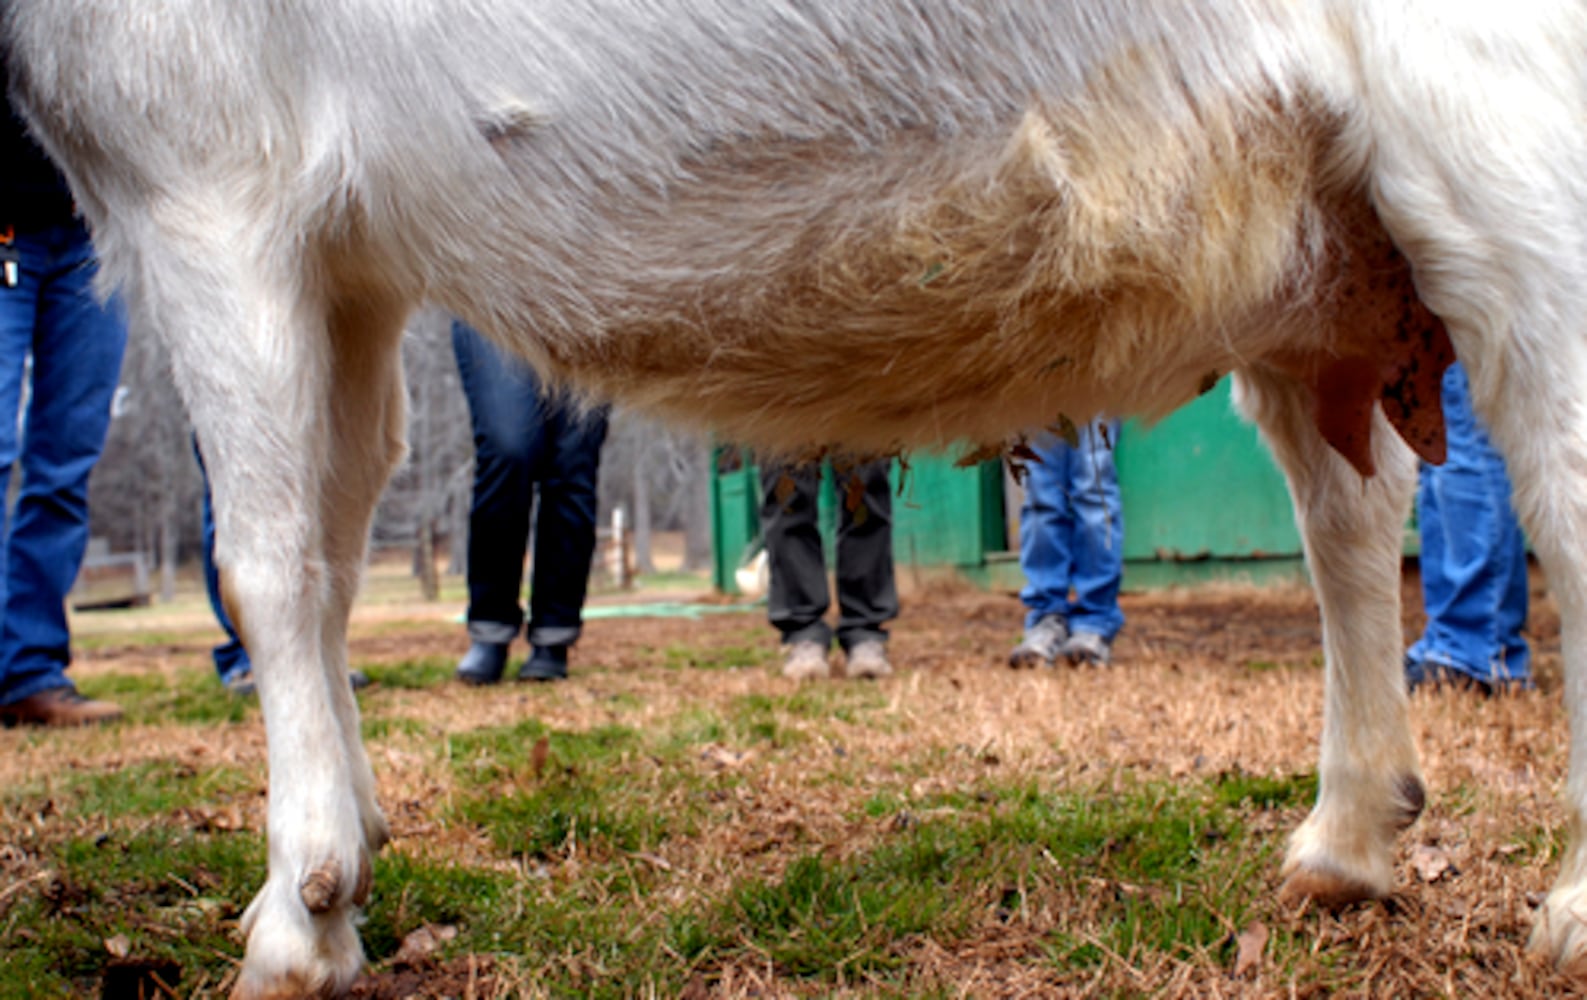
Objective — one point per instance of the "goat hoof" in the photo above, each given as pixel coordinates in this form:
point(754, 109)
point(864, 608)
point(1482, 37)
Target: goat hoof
point(1326, 889)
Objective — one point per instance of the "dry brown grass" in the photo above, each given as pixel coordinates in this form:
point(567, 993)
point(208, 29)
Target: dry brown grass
point(1220, 680)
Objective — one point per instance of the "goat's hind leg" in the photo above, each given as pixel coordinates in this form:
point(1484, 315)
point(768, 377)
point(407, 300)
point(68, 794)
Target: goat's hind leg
point(1369, 778)
point(1541, 428)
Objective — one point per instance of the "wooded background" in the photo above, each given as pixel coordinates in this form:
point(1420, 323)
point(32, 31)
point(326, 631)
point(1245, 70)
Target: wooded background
point(146, 492)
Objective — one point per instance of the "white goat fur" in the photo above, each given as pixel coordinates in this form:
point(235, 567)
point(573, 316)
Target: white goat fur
point(880, 224)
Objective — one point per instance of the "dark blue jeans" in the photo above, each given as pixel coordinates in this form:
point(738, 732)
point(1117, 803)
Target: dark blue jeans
point(1474, 584)
point(789, 523)
point(1071, 532)
point(525, 443)
point(75, 345)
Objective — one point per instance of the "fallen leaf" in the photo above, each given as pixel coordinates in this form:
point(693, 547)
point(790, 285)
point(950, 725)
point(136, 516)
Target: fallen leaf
point(722, 757)
point(419, 945)
point(1431, 863)
point(118, 946)
point(1250, 944)
point(538, 756)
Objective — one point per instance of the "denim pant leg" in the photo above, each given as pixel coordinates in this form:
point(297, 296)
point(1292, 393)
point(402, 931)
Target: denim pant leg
point(1473, 558)
point(231, 659)
point(1046, 525)
point(1096, 544)
point(564, 537)
point(505, 406)
point(76, 346)
point(797, 601)
point(867, 591)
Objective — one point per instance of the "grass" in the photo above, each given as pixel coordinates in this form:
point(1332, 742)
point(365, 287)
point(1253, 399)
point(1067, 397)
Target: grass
point(942, 866)
point(665, 824)
point(190, 696)
point(1154, 867)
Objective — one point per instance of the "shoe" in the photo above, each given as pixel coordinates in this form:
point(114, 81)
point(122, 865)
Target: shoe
point(484, 663)
point(545, 663)
point(57, 707)
point(1087, 647)
point(805, 660)
point(1041, 643)
point(868, 661)
point(1435, 676)
point(241, 684)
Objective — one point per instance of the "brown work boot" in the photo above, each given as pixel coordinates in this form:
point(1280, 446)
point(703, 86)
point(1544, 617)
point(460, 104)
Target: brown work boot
point(61, 706)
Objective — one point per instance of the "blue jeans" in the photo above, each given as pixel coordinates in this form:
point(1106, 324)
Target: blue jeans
point(1071, 532)
point(231, 659)
point(790, 524)
point(76, 346)
point(524, 440)
point(1474, 585)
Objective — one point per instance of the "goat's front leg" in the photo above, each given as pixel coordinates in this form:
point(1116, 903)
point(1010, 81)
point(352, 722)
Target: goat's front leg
point(1369, 778)
point(295, 480)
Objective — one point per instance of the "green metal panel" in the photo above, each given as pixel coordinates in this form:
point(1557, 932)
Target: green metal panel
point(735, 522)
point(1201, 485)
point(947, 516)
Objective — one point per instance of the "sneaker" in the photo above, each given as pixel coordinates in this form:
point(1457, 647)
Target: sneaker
point(868, 661)
point(483, 663)
point(545, 663)
point(58, 707)
point(1041, 643)
point(1087, 647)
point(805, 660)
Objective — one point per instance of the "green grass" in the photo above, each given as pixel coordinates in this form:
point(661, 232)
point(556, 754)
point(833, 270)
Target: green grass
point(193, 696)
point(1166, 867)
point(150, 788)
point(427, 672)
point(572, 891)
point(748, 656)
point(174, 894)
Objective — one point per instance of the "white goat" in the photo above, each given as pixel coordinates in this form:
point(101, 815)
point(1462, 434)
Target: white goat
point(886, 223)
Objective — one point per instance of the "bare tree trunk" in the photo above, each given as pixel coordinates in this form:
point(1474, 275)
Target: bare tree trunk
point(697, 513)
point(170, 537)
point(644, 561)
point(429, 582)
point(457, 530)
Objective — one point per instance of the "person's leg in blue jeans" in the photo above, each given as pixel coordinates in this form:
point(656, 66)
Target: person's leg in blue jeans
point(1071, 532)
point(1045, 527)
point(505, 408)
point(1096, 544)
point(564, 535)
point(521, 439)
point(1473, 560)
point(76, 346)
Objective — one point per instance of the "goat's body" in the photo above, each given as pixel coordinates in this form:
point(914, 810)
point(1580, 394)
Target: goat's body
point(828, 222)
point(895, 217)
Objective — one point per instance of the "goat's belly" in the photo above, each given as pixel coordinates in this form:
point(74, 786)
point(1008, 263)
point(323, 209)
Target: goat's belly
point(930, 292)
